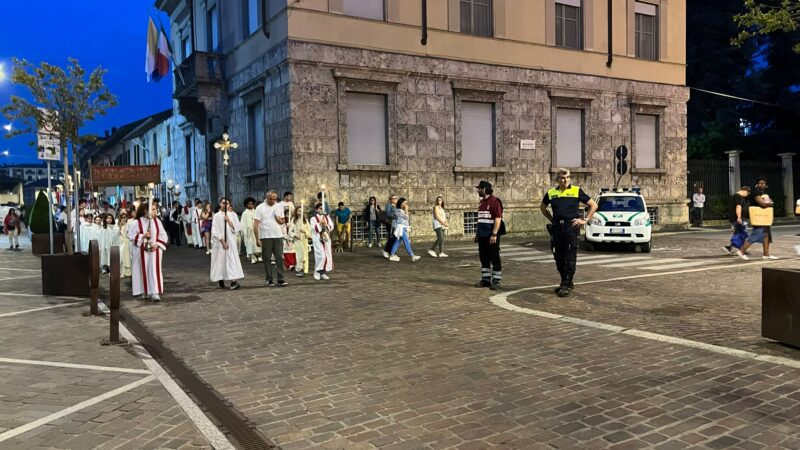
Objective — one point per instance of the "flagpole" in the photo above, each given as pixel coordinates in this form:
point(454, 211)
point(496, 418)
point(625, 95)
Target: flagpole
point(171, 50)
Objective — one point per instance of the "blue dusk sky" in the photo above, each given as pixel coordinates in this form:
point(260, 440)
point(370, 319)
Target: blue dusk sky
point(107, 33)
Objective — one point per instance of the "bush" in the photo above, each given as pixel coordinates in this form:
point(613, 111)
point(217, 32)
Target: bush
point(40, 217)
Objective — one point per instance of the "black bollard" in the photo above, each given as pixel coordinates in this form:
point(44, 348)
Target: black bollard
point(94, 278)
point(113, 304)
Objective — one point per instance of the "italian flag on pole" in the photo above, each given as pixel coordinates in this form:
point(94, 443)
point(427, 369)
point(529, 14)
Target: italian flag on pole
point(156, 64)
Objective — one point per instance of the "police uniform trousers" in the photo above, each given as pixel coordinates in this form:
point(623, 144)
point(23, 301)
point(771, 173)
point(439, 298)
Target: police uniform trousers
point(565, 238)
point(491, 266)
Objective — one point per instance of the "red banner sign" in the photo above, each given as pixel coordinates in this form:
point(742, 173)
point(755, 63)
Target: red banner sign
point(125, 175)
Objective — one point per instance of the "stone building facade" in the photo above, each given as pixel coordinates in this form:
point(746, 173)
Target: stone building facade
point(284, 90)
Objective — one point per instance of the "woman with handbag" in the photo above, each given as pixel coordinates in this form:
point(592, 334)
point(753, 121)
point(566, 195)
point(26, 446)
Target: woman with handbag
point(440, 225)
point(401, 228)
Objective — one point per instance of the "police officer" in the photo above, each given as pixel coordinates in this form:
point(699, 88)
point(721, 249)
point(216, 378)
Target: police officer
point(564, 200)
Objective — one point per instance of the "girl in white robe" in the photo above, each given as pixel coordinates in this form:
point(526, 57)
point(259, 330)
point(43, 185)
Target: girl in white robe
point(124, 247)
point(249, 214)
point(149, 239)
point(321, 227)
point(110, 234)
point(225, 262)
point(299, 232)
point(87, 234)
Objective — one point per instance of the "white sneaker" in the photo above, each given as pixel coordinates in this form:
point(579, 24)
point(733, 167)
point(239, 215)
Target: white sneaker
point(325, 277)
point(208, 252)
point(770, 257)
point(316, 276)
point(433, 254)
point(443, 255)
point(369, 245)
point(742, 255)
point(155, 298)
point(415, 258)
point(385, 254)
point(394, 258)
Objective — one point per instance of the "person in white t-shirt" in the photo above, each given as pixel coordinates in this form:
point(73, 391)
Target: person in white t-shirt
point(269, 217)
point(698, 201)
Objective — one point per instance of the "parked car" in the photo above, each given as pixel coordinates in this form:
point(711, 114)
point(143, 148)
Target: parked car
point(621, 218)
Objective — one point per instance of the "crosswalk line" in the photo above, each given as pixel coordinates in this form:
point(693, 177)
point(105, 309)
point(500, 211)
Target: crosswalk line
point(545, 257)
point(640, 259)
point(522, 251)
point(708, 262)
point(639, 263)
point(475, 248)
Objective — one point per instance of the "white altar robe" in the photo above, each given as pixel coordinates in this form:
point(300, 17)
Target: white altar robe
point(323, 259)
point(225, 264)
point(197, 238)
point(146, 266)
point(110, 238)
point(248, 217)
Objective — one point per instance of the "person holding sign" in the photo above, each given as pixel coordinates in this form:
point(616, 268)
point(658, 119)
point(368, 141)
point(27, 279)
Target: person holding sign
point(759, 200)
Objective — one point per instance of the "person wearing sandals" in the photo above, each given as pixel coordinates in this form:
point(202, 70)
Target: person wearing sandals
point(401, 227)
point(439, 226)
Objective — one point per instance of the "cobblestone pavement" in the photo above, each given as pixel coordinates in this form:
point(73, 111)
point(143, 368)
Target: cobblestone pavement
point(409, 355)
point(51, 361)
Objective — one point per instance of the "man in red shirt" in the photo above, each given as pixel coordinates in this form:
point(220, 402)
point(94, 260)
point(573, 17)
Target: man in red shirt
point(490, 217)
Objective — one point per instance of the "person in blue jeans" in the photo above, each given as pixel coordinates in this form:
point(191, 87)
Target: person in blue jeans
point(371, 215)
point(401, 227)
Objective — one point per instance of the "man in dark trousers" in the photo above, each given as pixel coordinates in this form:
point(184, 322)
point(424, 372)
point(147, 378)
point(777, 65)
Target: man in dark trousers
point(490, 217)
point(564, 200)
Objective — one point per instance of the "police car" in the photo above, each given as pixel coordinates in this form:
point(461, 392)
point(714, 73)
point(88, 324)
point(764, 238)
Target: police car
point(621, 218)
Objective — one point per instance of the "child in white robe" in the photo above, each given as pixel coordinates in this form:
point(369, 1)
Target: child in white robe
point(321, 227)
point(299, 232)
point(124, 246)
point(253, 250)
point(149, 239)
point(110, 234)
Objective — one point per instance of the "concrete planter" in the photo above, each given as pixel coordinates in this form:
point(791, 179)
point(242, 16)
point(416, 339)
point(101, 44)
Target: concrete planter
point(65, 275)
point(780, 305)
point(40, 243)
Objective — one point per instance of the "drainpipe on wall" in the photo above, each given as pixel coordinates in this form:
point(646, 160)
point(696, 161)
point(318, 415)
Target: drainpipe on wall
point(265, 18)
point(424, 40)
point(610, 35)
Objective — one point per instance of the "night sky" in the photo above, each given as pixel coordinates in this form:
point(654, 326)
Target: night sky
point(107, 33)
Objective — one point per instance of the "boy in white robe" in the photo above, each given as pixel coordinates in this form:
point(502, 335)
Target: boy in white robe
point(149, 239)
point(225, 262)
point(110, 234)
point(249, 214)
point(197, 238)
point(321, 227)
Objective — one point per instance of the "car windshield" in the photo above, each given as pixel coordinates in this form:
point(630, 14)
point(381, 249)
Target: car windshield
point(620, 203)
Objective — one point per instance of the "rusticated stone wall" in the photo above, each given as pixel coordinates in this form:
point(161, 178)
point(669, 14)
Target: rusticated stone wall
point(424, 155)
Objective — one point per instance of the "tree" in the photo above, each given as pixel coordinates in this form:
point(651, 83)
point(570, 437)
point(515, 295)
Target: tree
point(63, 101)
point(39, 221)
point(767, 17)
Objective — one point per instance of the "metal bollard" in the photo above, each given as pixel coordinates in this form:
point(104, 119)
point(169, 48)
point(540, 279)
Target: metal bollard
point(113, 305)
point(94, 278)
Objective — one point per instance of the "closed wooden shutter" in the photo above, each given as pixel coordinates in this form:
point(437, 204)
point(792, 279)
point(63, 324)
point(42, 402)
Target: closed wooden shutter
point(366, 129)
point(569, 137)
point(368, 9)
point(255, 124)
point(646, 146)
point(477, 134)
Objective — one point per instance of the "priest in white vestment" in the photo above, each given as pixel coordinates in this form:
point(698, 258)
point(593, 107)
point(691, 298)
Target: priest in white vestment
point(225, 262)
point(149, 239)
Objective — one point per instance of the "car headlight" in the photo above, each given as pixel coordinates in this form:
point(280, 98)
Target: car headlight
point(641, 221)
point(596, 221)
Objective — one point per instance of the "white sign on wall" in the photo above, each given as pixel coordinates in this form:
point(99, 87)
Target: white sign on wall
point(48, 144)
point(527, 144)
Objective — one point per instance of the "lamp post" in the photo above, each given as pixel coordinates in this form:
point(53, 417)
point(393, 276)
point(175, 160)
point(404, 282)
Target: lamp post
point(225, 146)
point(170, 186)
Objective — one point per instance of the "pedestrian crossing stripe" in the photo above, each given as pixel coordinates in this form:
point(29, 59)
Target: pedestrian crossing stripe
point(584, 262)
point(707, 262)
point(639, 263)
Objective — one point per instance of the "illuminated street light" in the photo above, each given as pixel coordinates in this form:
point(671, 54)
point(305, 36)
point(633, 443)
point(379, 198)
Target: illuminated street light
point(5, 152)
point(3, 75)
point(7, 127)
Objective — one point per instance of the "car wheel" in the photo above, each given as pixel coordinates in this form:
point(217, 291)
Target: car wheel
point(588, 246)
point(645, 248)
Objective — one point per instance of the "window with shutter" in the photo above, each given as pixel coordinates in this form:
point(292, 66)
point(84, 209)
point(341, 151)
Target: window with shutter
point(366, 129)
point(646, 145)
point(646, 31)
point(569, 24)
point(368, 9)
point(255, 128)
point(569, 137)
point(477, 134)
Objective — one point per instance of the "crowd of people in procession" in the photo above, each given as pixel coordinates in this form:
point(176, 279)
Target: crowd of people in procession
point(281, 234)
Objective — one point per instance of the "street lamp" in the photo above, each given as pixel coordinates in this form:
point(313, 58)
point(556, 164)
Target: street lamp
point(5, 153)
point(170, 185)
point(3, 75)
point(7, 127)
point(225, 145)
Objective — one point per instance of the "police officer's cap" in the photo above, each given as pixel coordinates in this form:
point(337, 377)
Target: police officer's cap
point(484, 184)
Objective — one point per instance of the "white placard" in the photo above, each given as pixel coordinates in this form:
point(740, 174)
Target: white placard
point(527, 144)
point(48, 144)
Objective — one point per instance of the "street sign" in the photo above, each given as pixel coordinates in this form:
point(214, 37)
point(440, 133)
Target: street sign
point(125, 175)
point(622, 168)
point(47, 142)
point(527, 144)
point(621, 152)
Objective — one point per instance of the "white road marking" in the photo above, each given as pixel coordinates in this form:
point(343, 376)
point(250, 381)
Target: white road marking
point(16, 313)
point(73, 409)
point(195, 414)
point(583, 262)
point(707, 262)
point(546, 257)
point(72, 366)
point(20, 278)
point(10, 294)
point(632, 264)
point(26, 270)
point(475, 247)
point(605, 258)
point(501, 300)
